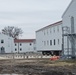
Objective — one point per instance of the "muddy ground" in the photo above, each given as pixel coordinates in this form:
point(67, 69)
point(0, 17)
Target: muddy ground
point(38, 67)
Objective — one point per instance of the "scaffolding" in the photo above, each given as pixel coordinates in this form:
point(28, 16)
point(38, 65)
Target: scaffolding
point(71, 37)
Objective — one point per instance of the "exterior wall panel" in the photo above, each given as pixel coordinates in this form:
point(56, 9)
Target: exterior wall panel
point(67, 21)
point(8, 43)
point(44, 35)
point(24, 46)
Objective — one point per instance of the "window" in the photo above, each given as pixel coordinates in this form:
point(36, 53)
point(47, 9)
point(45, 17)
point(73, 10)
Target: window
point(58, 41)
point(54, 42)
point(54, 29)
point(15, 44)
point(72, 24)
point(44, 32)
point(30, 44)
point(58, 28)
point(47, 31)
point(2, 41)
point(34, 48)
point(2, 50)
point(44, 42)
point(20, 44)
point(20, 49)
point(47, 42)
point(50, 42)
point(50, 30)
point(15, 49)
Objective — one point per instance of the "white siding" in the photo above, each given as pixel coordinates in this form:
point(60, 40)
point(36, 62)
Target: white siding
point(70, 12)
point(8, 43)
point(25, 47)
point(15, 47)
point(44, 36)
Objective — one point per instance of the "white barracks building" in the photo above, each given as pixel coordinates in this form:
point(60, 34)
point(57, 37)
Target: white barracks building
point(49, 39)
point(69, 30)
point(24, 45)
point(6, 44)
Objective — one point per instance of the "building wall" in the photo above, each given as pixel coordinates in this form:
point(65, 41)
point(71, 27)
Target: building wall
point(68, 14)
point(45, 38)
point(22, 47)
point(6, 44)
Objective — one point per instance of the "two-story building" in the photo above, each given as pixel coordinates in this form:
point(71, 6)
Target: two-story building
point(24, 45)
point(49, 39)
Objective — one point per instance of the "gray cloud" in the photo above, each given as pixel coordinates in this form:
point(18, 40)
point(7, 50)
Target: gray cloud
point(30, 15)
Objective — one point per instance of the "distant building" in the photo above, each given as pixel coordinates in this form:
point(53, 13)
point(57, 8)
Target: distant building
point(6, 44)
point(9, 45)
point(49, 39)
point(69, 30)
point(24, 45)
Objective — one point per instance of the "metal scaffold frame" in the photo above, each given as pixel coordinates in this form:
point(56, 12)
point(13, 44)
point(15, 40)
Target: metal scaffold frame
point(71, 37)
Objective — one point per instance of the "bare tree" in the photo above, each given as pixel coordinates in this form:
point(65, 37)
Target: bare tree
point(12, 31)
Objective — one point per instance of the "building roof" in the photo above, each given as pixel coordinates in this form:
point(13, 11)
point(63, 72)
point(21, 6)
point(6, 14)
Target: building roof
point(54, 24)
point(23, 40)
point(67, 8)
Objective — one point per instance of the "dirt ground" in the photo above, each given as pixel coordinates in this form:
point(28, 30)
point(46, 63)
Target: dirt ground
point(38, 67)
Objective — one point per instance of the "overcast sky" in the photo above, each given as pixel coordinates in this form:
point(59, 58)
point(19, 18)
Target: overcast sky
point(31, 15)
